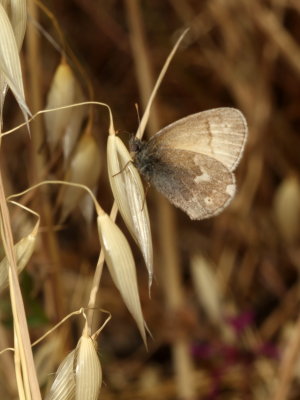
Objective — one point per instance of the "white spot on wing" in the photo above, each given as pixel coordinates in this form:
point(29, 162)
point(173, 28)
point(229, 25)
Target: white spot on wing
point(202, 178)
point(208, 201)
point(230, 189)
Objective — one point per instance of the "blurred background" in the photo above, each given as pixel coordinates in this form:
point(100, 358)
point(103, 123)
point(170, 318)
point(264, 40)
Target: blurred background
point(224, 304)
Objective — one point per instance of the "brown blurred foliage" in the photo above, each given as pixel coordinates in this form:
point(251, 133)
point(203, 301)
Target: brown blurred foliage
point(239, 53)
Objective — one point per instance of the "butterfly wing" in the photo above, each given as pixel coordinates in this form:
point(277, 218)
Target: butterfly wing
point(198, 184)
point(219, 133)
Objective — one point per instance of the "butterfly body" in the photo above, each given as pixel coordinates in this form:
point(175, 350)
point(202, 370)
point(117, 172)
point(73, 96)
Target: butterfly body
point(191, 161)
point(145, 158)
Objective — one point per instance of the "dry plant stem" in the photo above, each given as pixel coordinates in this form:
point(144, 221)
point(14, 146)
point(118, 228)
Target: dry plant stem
point(96, 283)
point(152, 95)
point(87, 331)
point(101, 258)
point(18, 370)
point(7, 365)
point(105, 23)
point(53, 289)
point(20, 323)
point(67, 52)
point(40, 339)
point(54, 22)
point(40, 112)
point(173, 288)
point(142, 65)
point(35, 98)
point(175, 299)
point(183, 10)
point(248, 190)
point(288, 365)
point(271, 26)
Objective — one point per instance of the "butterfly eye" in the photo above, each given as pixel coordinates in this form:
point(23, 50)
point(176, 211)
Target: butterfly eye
point(135, 144)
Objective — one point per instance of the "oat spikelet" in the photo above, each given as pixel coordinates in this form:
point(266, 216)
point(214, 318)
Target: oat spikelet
point(129, 195)
point(120, 262)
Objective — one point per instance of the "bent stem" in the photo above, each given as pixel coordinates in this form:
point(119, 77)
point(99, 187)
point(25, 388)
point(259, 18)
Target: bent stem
point(29, 383)
point(96, 283)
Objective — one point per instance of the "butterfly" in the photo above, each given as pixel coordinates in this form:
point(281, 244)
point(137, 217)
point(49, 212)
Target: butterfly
point(191, 161)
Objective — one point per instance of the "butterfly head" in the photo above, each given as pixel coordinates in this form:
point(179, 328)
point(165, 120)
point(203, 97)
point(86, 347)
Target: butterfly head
point(135, 145)
point(143, 159)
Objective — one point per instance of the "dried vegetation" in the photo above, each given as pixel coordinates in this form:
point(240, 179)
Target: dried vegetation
point(224, 307)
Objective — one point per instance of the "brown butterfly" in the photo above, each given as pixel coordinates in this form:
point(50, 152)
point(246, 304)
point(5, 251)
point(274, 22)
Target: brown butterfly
point(192, 160)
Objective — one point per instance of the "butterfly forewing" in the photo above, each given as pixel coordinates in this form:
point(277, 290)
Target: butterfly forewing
point(220, 133)
point(198, 184)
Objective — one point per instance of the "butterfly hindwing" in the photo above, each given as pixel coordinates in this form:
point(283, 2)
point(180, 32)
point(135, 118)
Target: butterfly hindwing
point(198, 184)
